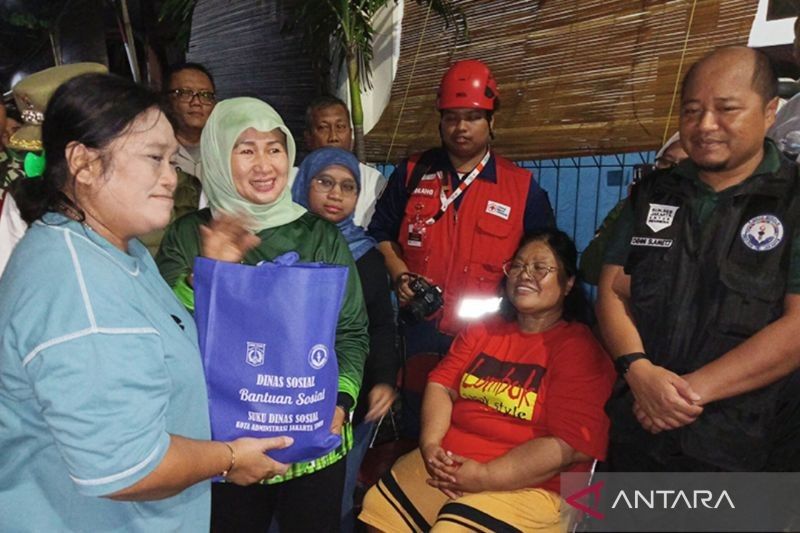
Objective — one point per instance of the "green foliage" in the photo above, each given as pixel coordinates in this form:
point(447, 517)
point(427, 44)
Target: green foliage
point(26, 20)
point(36, 16)
point(175, 21)
point(343, 29)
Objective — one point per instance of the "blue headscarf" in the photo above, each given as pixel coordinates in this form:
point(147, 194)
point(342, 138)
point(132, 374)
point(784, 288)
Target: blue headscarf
point(314, 163)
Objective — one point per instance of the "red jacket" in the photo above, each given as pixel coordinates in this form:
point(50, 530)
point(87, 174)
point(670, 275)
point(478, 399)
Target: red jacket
point(463, 252)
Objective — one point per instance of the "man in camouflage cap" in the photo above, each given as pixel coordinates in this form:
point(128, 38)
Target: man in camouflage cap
point(13, 123)
point(10, 161)
point(31, 96)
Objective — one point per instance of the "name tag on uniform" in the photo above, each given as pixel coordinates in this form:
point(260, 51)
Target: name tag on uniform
point(651, 241)
point(415, 235)
point(498, 210)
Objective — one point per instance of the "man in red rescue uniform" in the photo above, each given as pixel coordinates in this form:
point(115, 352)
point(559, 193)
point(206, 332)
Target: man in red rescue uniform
point(455, 214)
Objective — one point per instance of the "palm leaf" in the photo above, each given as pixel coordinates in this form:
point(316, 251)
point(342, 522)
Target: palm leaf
point(175, 20)
point(338, 32)
point(341, 29)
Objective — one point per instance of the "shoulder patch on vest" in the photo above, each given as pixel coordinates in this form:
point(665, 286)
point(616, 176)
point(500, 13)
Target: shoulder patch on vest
point(661, 216)
point(762, 233)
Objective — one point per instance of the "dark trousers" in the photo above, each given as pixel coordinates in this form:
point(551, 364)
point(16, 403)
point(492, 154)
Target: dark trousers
point(783, 435)
point(308, 503)
point(424, 346)
point(629, 458)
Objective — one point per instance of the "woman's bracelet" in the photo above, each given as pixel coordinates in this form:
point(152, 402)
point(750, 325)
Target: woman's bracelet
point(225, 473)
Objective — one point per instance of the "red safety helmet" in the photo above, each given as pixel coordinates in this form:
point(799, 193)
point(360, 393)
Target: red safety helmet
point(467, 84)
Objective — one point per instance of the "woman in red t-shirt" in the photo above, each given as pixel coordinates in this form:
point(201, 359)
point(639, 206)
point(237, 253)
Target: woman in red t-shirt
point(517, 400)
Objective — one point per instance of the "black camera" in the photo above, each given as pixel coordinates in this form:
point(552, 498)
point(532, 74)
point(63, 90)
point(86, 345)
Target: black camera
point(427, 300)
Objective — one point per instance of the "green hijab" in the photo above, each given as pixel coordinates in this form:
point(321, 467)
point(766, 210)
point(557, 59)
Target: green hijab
point(226, 122)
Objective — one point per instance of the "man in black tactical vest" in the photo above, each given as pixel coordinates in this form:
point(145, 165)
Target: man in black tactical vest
point(699, 299)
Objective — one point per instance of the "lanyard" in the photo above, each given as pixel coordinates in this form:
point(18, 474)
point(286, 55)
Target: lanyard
point(466, 182)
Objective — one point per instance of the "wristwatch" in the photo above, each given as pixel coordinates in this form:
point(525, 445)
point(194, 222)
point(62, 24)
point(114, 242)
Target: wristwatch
point(344, 401)
point(623, 363)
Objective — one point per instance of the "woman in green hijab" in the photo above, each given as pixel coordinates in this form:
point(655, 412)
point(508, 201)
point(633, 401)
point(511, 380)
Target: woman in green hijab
point(247, 152)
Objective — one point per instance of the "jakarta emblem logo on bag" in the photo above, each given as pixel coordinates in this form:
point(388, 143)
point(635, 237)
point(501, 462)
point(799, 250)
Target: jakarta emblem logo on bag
point(318, 356)
point(255, 353)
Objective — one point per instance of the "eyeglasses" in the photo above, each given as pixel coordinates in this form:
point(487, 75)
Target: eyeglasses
point(537, 271)
point(324, 184)
point(187, 95)
point(663, 163)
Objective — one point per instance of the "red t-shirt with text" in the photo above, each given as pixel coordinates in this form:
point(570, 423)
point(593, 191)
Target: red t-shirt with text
point(513, 387)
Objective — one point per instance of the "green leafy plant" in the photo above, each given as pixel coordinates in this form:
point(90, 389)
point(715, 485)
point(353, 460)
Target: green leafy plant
point(40, 18)
point(337, 32)
point(175, 21)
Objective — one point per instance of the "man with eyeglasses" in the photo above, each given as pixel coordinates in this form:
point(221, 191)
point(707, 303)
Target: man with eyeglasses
point(328, 124)
point(452, 215)
point(191, 93)
point(787, 120)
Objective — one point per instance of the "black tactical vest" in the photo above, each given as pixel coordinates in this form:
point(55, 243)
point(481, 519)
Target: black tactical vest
point(697, 292)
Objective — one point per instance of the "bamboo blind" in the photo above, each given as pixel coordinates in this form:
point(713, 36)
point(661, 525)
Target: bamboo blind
point(576, 77)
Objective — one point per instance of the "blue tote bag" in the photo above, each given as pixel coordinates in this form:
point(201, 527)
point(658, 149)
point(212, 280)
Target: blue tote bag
point(267, 335)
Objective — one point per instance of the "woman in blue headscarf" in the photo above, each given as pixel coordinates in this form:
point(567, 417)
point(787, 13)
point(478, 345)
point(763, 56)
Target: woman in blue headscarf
point(327, 184)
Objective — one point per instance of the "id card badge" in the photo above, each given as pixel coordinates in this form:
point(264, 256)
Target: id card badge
point(415, 235)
